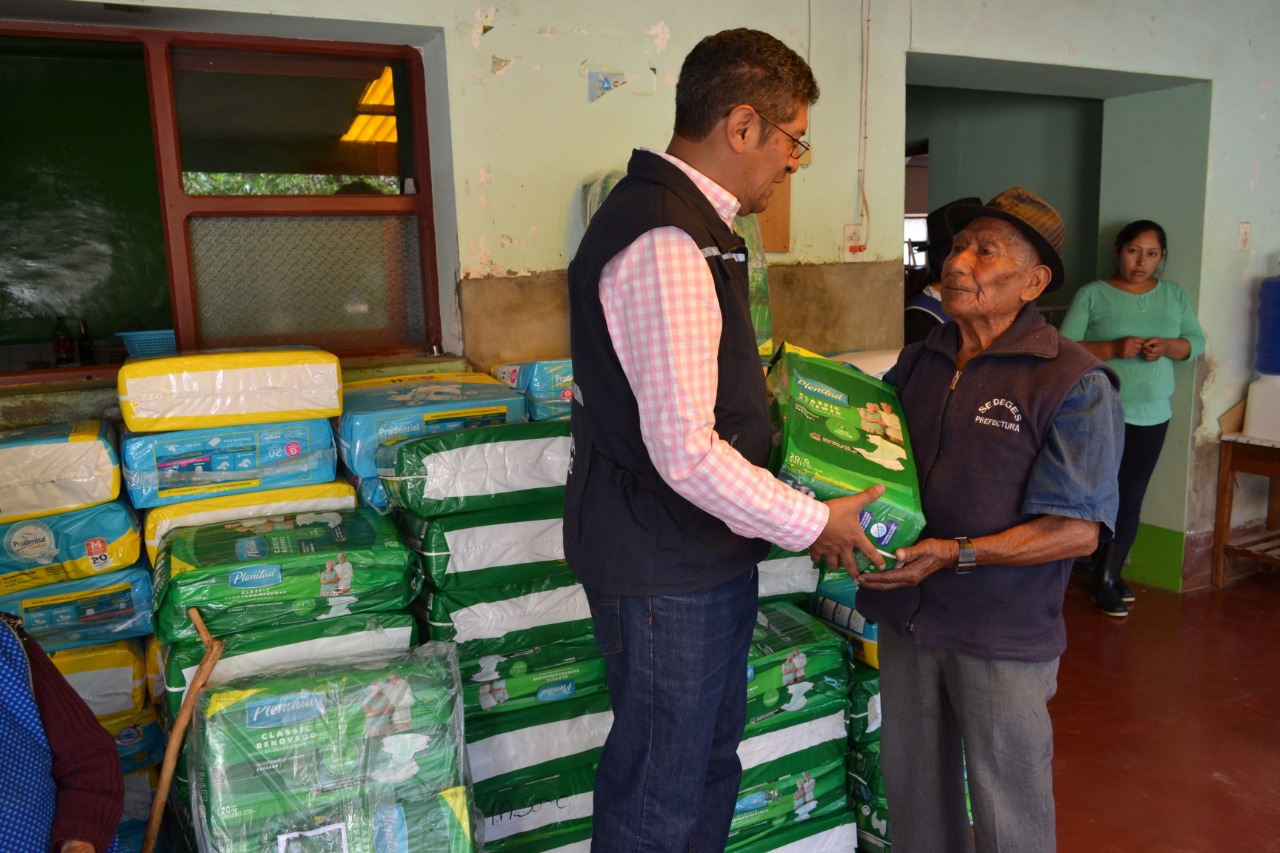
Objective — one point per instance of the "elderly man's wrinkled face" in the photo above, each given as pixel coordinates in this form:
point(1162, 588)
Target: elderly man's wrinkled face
point(991, 272)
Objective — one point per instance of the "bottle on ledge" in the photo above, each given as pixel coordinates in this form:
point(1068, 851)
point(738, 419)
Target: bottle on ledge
point(84, 345)
point(64, 348)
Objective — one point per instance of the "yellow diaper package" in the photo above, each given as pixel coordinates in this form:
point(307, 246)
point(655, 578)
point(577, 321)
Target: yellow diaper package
point(110, 678)
point(229, 388)
point(55, 468)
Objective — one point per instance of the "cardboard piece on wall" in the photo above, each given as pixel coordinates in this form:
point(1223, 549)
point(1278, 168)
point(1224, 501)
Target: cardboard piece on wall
point(775, 220)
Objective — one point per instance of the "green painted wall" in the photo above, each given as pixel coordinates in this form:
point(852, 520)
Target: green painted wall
point(1156, 557)
point(981, 143)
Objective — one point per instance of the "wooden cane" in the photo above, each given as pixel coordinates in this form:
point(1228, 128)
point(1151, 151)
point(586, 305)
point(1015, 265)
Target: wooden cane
point(212, 651)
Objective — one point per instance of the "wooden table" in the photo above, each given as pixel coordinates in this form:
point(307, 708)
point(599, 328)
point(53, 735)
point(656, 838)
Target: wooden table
point(1239, 453)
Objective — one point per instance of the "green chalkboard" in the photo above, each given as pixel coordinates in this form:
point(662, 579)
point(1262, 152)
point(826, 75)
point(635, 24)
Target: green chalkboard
point(80, 218)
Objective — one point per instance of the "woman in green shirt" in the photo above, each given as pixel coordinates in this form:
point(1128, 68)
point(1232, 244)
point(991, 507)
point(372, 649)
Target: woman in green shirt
point(1139, 324)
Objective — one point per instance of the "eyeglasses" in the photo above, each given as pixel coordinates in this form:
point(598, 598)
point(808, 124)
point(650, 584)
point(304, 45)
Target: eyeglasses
point(798, 146)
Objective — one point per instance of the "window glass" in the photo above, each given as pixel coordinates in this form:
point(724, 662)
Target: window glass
point(258, 123)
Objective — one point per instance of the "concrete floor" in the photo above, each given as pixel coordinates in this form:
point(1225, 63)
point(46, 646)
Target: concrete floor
point(1167, 722)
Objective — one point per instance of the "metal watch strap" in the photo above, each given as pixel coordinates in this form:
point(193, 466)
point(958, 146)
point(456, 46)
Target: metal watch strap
point(967, 558)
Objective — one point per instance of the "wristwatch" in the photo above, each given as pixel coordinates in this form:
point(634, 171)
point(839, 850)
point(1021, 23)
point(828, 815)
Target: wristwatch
point(967, 558)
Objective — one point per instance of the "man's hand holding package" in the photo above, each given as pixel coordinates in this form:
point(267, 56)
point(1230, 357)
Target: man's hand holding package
point(915, 563)
point(843, 534)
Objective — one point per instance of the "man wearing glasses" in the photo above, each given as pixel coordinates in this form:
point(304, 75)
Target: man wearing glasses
point(669, 506)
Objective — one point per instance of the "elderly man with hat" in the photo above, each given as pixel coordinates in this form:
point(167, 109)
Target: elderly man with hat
point(1017, 433)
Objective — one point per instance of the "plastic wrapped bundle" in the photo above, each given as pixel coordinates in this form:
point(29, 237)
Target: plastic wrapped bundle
point(473, 550)
point(526, 678)
point(380, 412)
point(841, 432)
point(84, 611)
point(364, 755)
point(260, 572)
point(787, 576)
point(254, 651)
point(57, 468)
point(109, 677)
point(547, 384)
point(836, 833)
point(139, 739)
point(475, 469)
point(81, 543)
point(503, 617)
point(229, 388)
point(266, 504)
point(171, 467)
point(551, 814)
point(795, 664)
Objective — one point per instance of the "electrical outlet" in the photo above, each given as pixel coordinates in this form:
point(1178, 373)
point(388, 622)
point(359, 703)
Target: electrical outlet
point(854, 242)
point(1246, 235)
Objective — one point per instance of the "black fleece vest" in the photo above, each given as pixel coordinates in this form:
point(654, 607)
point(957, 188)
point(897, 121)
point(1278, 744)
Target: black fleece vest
point(976, 435)
point(626, 532)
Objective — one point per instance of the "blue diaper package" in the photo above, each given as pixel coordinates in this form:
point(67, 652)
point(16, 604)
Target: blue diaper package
point(171, 467)
point(78, 544)
point(548, 385)
point(384, 412)
point(85, 611)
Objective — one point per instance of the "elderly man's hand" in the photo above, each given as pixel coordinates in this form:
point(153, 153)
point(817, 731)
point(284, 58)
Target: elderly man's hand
point(914, 564)
point(843, 534)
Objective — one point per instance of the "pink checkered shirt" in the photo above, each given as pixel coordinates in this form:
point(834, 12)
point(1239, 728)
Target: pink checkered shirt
point(664, 320)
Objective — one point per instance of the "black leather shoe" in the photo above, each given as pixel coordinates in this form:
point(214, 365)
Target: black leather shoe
point(1108, 600)
point(1126, 594)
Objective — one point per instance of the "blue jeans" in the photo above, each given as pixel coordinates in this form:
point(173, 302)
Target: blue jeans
point(942, 709)
point(677, 668)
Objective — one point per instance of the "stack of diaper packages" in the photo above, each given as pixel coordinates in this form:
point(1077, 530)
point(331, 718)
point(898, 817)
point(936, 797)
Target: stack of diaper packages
point(363, 753)
point(216, 423)
point(546, 384)
point(70, 569)
point(295, 586)
point(386, 411)
point(794, 788)
point(484, 508)
point(866, 784)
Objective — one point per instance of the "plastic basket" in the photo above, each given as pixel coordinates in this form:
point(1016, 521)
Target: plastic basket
point(157, 342)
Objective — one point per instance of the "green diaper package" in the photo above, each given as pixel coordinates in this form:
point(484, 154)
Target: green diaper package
point(479, 468)
point(524, 678)
point(796, 793)
point(842, 431)
point(544, 815)
point(298, 567)
point(794, 663)
point(473, 550)
point(258, 649)
point(834, 833)
point(508, 616)
point(365, 753)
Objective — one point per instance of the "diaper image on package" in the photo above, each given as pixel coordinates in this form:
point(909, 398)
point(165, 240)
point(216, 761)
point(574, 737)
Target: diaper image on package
point(841, 432)
point(477, 468)
point(794, 661)
point(172, 467)
point(547, 384)
point(364, 753)
point(266, 503)
point(221, 388)
point(548, 672)
point(57, 468)
point(297, 568)
point(84, 611)
point(381, 412)
point(81, 543)
point(787, 576)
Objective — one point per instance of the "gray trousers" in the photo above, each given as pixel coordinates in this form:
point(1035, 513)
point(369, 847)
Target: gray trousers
point(943, 710)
